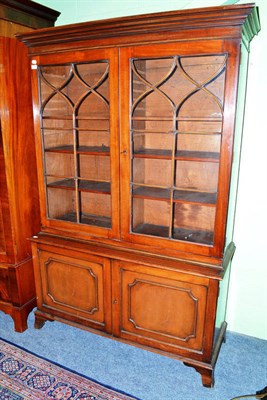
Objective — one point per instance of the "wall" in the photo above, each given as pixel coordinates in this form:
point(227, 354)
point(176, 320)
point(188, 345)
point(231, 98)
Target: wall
point(247, 303)
point(87, 10)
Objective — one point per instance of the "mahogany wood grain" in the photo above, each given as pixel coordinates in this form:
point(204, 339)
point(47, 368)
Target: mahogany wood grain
point(19, 198)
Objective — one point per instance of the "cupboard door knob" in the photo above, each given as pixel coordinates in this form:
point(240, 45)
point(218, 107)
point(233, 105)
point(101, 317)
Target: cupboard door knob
point(124, 152)
point(115, 301)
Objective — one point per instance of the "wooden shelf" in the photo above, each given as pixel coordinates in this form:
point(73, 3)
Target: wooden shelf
point(151, 193)
point(90, 150)
point(153, 230)
point(146, 153)
point(180, 196)
point(144, 131)
point(70, 118)
point(194, 236)
point(153, 153)
point(188, 196)
point(71, 129)
point(84, 186)
point(189, 119)
point(210, 156)
point(88, 219)
point(179, 155)
point(147, 118)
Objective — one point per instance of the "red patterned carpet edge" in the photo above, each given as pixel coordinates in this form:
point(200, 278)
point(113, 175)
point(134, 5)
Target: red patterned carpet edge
point(24, 375)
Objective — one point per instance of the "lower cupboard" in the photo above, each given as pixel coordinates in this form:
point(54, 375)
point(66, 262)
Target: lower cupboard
point(136, 300)
point(77, 290)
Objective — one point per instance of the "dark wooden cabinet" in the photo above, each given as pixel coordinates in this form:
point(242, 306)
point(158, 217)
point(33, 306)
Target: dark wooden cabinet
point(19, 201)
point(136, 137)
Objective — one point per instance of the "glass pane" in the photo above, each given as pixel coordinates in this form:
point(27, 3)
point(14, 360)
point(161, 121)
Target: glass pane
point(177, 108)
point(152, 172)
point(194, 223)
point(93, 139)
point(60, 164)
point(202, 143)
point(96, 209)
point(151, 217)
point(76, 137)
point(152, 144)
point(55, 140)
point(201, 176)
point(61, 204)
point(94, 167)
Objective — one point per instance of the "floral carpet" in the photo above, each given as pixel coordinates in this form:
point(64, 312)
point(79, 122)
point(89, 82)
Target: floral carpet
point(24, 375)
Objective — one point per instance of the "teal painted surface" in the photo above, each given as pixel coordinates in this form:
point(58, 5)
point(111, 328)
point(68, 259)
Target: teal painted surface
point(224, 284)
point(237, 143)
point(247, 303)
point(73, 11)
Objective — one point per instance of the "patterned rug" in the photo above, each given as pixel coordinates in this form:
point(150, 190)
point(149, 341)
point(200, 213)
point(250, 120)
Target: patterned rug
point(24, 375)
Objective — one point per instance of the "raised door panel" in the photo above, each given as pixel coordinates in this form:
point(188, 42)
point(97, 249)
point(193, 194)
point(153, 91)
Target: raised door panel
point(176, 146)
point(77, 141)
point(75, 289)
point(159, 308)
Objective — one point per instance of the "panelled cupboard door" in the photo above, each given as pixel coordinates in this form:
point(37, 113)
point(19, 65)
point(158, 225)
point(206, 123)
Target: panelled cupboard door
point(76, 95)
point(75, 289)
point(163, 309)
point(176, 147)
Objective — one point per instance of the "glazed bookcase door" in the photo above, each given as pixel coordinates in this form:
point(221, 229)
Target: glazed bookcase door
point(77, 104)
point(174, 159)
